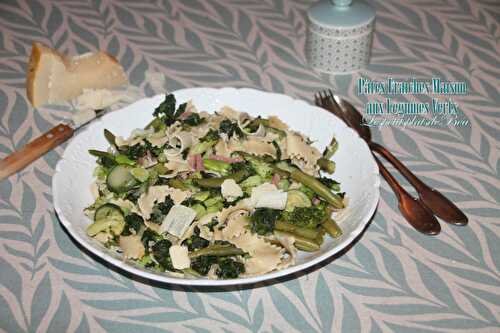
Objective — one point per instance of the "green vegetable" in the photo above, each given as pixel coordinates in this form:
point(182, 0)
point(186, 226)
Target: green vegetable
point(252, 181)
point(140, 174)
point(330, 149)
point(150, 236)
point(166, 110)
point(301, 243)
point(208, 141)
point(220, 167)
point(331, 227)
point(120, 179)
point(230, 128)
point(307, 217)
point(314, 184)
point(161, 209)
point(217, 181)
point(195, 242)
point(133, 224)
point(161, 254)
point(201, 196)
point(178, 184)
point(296, 198)
point(229, 269)
point(105, 158)
point(135, 152)
point(327, 166)
point(296, 230)
point(107, 217)
point(215, 208)
point(278, 150)
point(217, 250)
point(203, 264)
point(199, 209)
point(263, 220)
point(110, 137)
point(194, 119)
point(332, 184)
point(262, 168)
point(284, 184)
point(123, 159)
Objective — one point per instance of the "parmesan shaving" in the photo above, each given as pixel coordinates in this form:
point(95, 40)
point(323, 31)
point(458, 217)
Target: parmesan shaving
point(179, 255)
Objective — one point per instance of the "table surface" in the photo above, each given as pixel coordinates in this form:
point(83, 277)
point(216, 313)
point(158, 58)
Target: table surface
point(392, 279)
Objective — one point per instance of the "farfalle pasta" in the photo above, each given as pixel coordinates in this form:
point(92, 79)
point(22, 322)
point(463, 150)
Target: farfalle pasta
point(217, 195)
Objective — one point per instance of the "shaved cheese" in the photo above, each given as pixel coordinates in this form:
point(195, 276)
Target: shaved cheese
point(267, 195)
point(132, 247)
point(96, 99)
point(82, 117)
point(157, 194)
point(230, 190)
point(178, 220)
point(179, 255)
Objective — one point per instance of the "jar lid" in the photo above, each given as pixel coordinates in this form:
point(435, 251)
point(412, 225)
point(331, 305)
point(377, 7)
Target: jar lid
point(341, 13)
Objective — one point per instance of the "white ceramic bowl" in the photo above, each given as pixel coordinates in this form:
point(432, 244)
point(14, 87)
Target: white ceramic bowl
point(356, 170)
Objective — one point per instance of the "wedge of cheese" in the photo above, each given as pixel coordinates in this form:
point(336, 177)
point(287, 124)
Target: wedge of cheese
point(53, 77)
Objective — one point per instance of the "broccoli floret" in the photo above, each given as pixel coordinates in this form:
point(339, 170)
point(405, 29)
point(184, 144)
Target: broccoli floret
point(161, 254)
point(166, 110)
point(135, 152)
point(133, 223)
point(149, 237)
point(261, 167)
point(160, 210)
point(209, 140)
point(203, 264)
point(308, 217)
point(194, 119)
point(230, 128)
point(211, 225)
point(242, 166)
point(195, 241)
point(332, 184)
point(212, 135)
point(229, 268)
point(263, 220)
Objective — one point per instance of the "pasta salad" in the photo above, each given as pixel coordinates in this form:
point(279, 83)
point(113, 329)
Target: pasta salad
point(219, 195)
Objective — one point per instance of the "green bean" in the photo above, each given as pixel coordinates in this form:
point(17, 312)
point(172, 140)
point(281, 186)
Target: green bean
point(178, 184)
point(300, 231)
point(191, 272)
point(217, 181)
point(220, 167)
point(326, 165)
point(217, 250)
point(99, 153)
point(331, 227)
point(330, 149)
point(110, 137)
point(301, 243)
point(318, 188)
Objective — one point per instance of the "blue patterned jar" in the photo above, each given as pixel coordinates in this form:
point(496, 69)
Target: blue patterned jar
point(340, 36)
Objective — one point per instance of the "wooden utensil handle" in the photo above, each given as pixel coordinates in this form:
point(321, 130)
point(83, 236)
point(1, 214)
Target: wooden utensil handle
point(33, 150)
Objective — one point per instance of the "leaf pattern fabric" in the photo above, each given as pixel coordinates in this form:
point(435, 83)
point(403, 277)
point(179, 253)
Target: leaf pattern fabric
point(391, 280)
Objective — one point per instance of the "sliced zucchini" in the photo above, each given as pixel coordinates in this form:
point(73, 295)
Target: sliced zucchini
point(296, 198)
point(120, 179)
point(108, 216)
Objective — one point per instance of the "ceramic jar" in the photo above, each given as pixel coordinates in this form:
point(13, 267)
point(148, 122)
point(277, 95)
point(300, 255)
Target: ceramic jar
point(340, 35)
